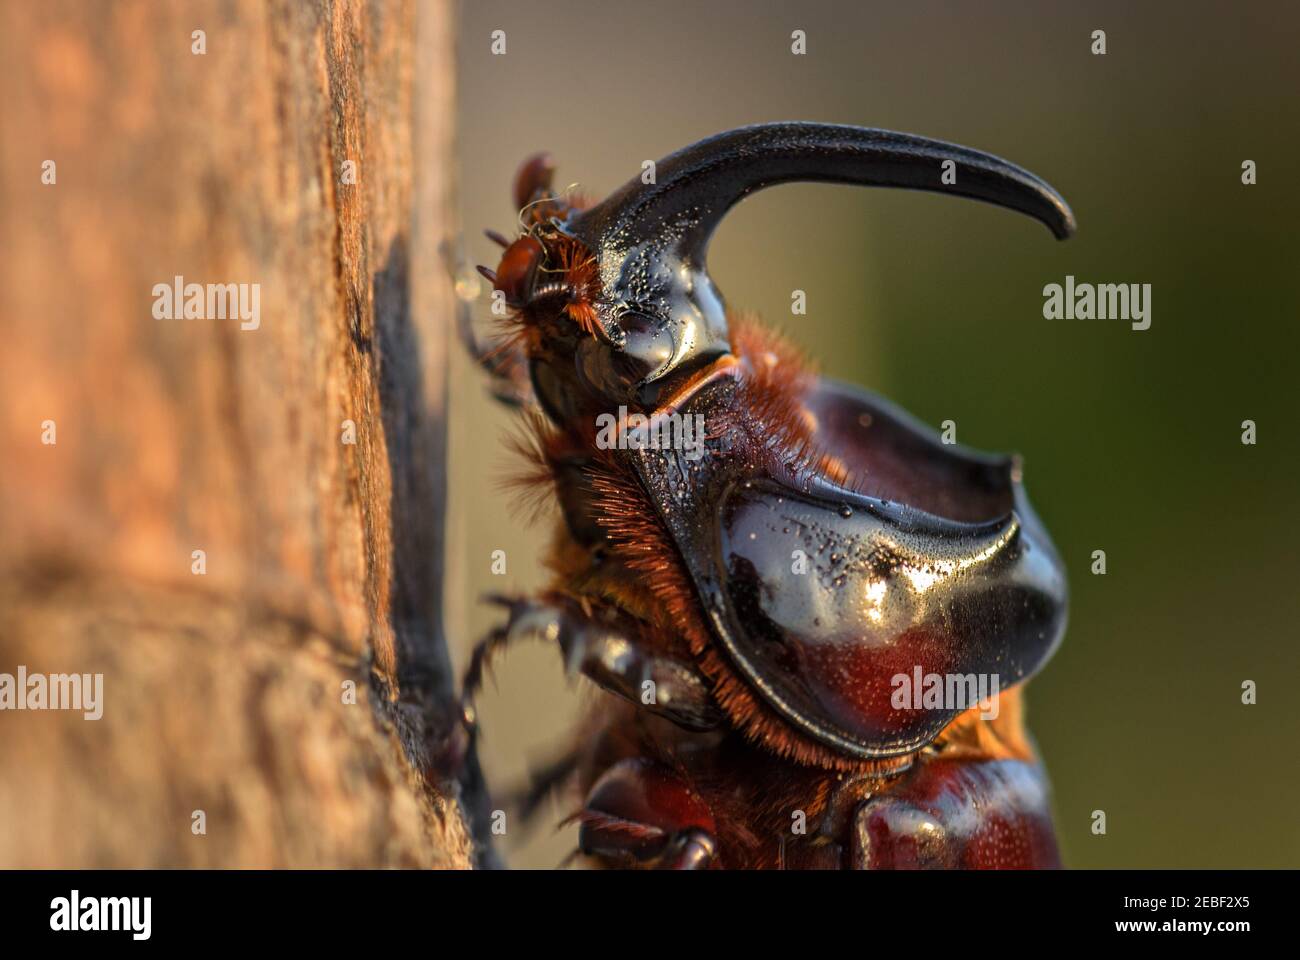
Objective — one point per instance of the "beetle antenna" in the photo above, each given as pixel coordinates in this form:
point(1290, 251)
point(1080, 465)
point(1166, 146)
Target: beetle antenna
point(523, 227)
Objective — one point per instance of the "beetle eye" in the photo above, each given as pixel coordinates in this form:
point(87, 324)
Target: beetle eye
point(608, 370)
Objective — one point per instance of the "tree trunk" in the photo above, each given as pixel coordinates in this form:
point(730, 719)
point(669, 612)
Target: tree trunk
point(236, 521)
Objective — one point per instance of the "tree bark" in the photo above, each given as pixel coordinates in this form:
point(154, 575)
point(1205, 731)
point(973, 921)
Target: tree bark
point(226, 674)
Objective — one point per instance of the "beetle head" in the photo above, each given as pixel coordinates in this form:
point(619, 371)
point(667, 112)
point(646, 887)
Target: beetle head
point(660, 313)
point(631, 270)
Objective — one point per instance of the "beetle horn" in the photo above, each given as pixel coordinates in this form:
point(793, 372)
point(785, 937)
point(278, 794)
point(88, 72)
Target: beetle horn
point(650, 239)
point(696, 186)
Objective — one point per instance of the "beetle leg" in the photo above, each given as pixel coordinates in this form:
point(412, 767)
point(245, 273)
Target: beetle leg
point(505, 364)
point(604, 648)
point(959, 813)
point(527, 798)
point(642, 813)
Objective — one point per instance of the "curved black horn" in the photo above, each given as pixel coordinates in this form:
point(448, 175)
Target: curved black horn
point(651, 239)
point(703, 181)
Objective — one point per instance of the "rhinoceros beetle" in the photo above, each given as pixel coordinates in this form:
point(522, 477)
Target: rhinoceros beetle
point(757, 588)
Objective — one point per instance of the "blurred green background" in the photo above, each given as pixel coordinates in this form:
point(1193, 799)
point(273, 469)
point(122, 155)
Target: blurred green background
point(1131, 439)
